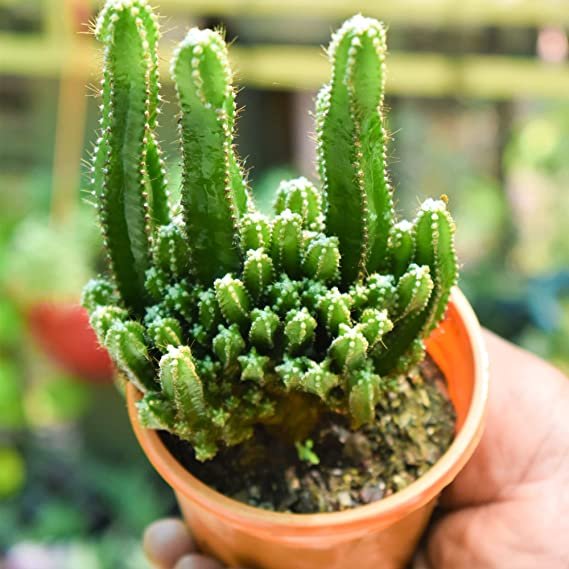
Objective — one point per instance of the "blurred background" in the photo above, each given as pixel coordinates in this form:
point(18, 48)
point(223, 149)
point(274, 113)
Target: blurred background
point(478, 99)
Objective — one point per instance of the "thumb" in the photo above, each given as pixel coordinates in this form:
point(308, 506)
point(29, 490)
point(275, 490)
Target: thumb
point(166, 541)
point(508, 533)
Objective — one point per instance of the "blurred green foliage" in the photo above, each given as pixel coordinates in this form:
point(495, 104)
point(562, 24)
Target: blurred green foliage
point(47, 261)
point(72, 493)
point(56, 399)
point(12, 471)
point(505, 170)
point(535, 160)
point(11, 324)
point(11, 397)
point(97, 513)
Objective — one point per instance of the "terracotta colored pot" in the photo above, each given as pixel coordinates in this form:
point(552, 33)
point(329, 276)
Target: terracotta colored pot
point(383, 534)
point(63, 332)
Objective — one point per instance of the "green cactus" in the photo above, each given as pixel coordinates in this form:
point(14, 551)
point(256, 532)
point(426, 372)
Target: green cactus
point(213, 188)
point(351, 147)
point(222, 317)
point(131, 197)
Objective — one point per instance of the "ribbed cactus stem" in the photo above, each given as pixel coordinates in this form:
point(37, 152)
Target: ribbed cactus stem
point(181, 384)
point(413, 291)
point(208, 369)
point(127, 345)
point(434, 248)
point(258, 272)
point(156, 173)
point(253, 366)
point(381, 291)
point(165, 333)
point(255, 232)
point(156, 412)
point(364, 395)
point(303, 198)
point(312, 294)
point(284, 295)
point(322, 259)
point(292, 370)
point(352, 147)
point(334, 309)
point(228, 345)
point(98, 292)
point(179, 301)
point(414, 355)
point(155, 165)
point(287, 242)
point(264, 326)
point(233, 300)
point(212, 199)
point(349, 349)
point(299, 330)
point(155, 283)
point(103, 318)
point(208, 311)
point(124, 194)
point(170, 252)
point(374, 324)
point(401, 247)
point(319, 380)
point(146, 17)
point(434, 239)
point(359, 294)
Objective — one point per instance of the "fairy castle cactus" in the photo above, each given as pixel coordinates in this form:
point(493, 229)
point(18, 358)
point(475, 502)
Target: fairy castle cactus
point(222, 317)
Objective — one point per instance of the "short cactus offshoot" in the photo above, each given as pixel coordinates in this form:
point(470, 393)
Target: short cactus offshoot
point(226, 319)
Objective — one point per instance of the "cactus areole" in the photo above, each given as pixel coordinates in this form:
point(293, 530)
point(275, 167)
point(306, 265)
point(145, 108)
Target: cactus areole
point(224, 318)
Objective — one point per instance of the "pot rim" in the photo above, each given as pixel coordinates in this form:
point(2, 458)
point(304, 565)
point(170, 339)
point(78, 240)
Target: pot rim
point(419, 492)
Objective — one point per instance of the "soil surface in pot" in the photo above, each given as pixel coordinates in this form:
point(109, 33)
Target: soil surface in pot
point(415, 427)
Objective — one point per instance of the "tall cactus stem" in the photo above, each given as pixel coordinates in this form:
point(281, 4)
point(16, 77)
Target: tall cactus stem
point(124, 195)
point(352, 148)
point(212, 199)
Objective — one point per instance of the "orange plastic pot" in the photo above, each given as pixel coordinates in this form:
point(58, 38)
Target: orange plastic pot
point(62, 331)
point(383, 534)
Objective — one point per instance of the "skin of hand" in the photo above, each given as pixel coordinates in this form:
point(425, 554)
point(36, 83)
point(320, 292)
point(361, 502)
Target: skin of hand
point(509, 507)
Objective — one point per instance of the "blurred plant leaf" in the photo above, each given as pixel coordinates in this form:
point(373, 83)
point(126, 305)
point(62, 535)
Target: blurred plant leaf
point(11, 325)
point(46, 262)
point(11, 393)
point(58, 399)
point(57, 520)
point(12, 472)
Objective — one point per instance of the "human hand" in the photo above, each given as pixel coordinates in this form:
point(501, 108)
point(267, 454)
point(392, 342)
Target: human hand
point(507, 509)
point(169, 545)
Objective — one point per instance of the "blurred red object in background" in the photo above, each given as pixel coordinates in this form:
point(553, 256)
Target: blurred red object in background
point(63, 332)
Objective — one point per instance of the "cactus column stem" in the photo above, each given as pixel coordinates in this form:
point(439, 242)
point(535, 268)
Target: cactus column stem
point(351, 145)
point(213, 192)
point(121, 185)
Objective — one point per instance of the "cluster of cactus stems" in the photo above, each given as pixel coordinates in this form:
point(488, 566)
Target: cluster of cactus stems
point(225, 318)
